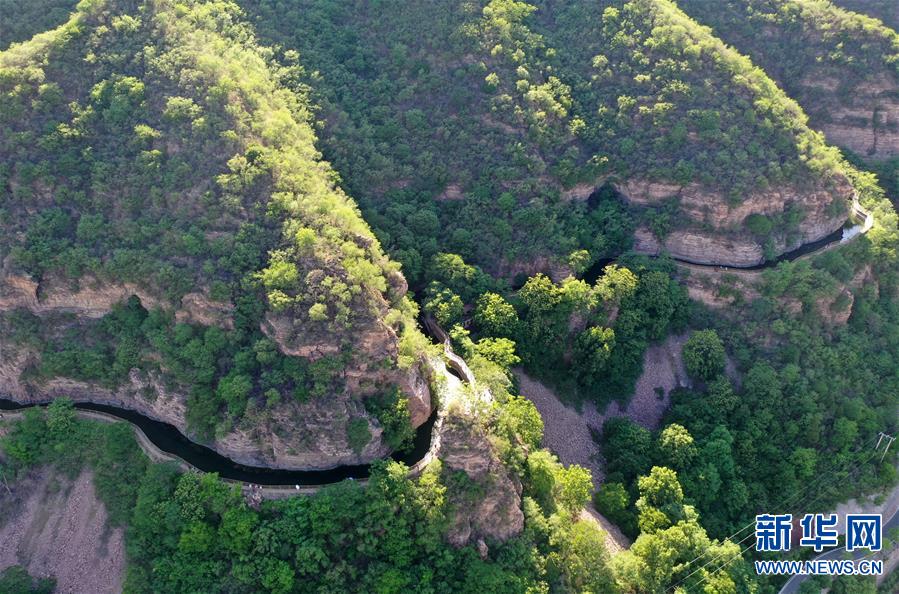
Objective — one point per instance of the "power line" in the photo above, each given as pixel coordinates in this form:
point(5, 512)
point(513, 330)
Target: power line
point(751, 535)
point(890, 441)
point(743, 552)
point(795, 500)
point(718, 569)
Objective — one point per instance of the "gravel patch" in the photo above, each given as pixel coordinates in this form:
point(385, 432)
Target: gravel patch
point(567, 430)
point(616, 541)
point(61, 531)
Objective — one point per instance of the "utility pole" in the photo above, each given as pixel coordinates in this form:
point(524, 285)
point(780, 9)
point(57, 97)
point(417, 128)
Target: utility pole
point(890, 439)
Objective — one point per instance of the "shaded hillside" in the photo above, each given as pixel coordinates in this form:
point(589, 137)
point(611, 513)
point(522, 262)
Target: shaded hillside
point(841, 66)
point(702, 140)
point(22, 20)
point(438, 159)
point(487, 124)
point(885, 10)
point(172, 240)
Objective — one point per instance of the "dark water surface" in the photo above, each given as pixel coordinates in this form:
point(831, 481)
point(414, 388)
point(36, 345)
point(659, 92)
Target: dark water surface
point(168, 439)
point(804, 249)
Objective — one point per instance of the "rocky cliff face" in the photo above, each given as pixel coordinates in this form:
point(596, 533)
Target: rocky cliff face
point(839, 65)
point(717, 288)
point(737, 288)
point(551, 267)
point(495, 513)
point(291, 435)
point(712, 231)
point(91, 298)
point(86, 297)
point(175, 189)
point(700, 248)
point(865, 120)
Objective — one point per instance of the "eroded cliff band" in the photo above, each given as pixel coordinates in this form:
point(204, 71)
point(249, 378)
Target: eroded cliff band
point(167, 438)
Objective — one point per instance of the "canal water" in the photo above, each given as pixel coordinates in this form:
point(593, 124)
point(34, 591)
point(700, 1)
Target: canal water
point(169, 439)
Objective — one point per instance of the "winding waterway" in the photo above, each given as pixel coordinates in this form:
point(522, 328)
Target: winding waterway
point(595, 271)
point(803, 250)
point(844, 234)
point(170, 440)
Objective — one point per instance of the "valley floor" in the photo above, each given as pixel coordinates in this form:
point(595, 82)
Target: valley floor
point(567, 430)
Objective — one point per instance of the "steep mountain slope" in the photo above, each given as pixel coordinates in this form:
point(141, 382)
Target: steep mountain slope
point(698, 135)
point(436, 159)
point(535, 107)
point(172, 241)
point(841, 66)
point(22, 20)
point(885, 10)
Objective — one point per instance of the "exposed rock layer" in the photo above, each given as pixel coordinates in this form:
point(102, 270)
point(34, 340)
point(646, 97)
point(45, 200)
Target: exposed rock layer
point(714, 231)
point(496, 513)
point(866, 120)
point(59, 529)
point(292, 435)
point(728, 288)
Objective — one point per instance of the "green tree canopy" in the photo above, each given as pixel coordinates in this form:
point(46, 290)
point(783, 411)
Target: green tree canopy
point(704, 355)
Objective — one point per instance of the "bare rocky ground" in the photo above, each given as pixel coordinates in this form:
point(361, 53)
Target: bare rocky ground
point(567, 430)
point(56, 527)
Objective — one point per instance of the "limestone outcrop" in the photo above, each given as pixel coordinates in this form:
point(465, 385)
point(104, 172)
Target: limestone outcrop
point(415, 386)
point(198, 308)
point(86, 297)
point(721, 288)
point(229, 199)
point(865, 120)
point(495, 514)
point(700, 248)
point(551, 267)
point(712, 230)
point(292, 435)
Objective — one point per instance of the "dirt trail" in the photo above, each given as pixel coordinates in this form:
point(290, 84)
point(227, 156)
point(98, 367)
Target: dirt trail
point(59, 530)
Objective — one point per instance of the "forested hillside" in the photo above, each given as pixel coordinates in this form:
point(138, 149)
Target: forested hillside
point(537, 106)
point(211, 212)
point(885, 10)
point(407, 109)
point(639, 95)
point(148, 151)
point(841, 66)
point(193, 533)
point(23, 20)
